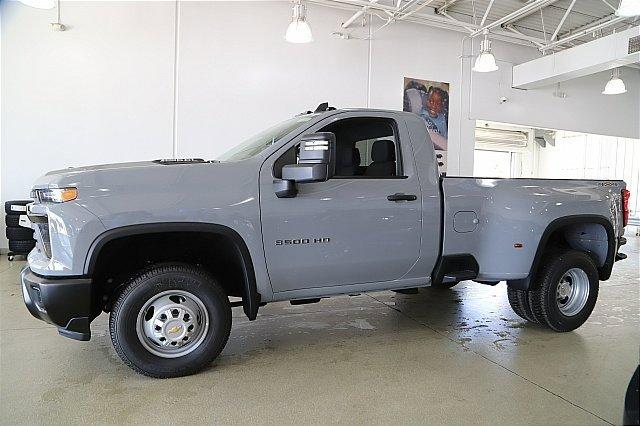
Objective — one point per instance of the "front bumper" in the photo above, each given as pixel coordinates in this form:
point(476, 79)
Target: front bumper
point(63, 302)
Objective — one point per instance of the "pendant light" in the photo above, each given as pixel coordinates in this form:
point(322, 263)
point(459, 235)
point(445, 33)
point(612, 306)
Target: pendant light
point(299, 30)
point(615, 85)
point(485, 62)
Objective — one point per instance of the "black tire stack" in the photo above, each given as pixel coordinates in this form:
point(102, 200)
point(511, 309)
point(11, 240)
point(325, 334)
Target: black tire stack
point(21, 240)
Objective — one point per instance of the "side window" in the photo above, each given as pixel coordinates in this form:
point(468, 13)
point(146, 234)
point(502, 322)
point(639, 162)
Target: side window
point(365, 148)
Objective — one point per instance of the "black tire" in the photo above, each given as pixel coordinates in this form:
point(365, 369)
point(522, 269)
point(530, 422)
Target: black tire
point(21, 247)
point(542, 298)
point(12, 220)
point(19, 233)
point(8, 204)
point(519, 301)
point(147, 284)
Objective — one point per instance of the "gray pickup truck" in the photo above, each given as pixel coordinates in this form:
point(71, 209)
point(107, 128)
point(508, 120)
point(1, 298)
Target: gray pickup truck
point(325, 203)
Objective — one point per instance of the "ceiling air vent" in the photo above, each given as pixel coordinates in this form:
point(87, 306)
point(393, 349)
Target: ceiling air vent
point(634, 44)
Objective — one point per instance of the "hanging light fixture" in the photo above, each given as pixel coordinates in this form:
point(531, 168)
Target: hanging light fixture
point(39, 4)
point(615, 85)
point(485, 62)
point(299, 30)
point(628, 8)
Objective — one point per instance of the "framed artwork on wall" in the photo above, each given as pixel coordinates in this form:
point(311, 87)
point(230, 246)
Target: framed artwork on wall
point(430, 100)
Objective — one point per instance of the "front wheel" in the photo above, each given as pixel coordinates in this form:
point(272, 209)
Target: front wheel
point(566, 290)
point(170, 320)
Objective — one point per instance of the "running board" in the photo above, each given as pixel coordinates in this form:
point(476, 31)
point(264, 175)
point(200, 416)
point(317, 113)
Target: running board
point(458, 276)
point(413, 290)
point(304, 301)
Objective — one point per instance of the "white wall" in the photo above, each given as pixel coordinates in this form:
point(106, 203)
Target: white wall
point(99, 93)
point(237, 75)
point(104, 90)
point(585, 108)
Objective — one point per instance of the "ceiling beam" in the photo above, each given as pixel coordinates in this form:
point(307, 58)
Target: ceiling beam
point(417, 9)
point(432, 20)
point(466, 25)
point(516, 31)
point(346, 24)
point(610, 5)
point(486, 13)
point(590, 24)
point(529, 13)
point(445, 6)
point(583, 32)
point(564, 18)
point(513, 16)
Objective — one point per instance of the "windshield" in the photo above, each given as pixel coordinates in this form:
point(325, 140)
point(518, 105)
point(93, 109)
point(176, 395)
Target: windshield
point(264, 139)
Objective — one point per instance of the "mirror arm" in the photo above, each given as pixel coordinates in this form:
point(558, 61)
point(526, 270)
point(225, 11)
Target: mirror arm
point(285, 188)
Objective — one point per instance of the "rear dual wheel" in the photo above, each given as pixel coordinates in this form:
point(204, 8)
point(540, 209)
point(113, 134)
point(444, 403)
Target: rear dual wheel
point(170, 320)
point(564, 294)
point(519, 301)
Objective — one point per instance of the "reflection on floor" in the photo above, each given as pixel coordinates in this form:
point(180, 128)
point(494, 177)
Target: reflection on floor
point(457, 356)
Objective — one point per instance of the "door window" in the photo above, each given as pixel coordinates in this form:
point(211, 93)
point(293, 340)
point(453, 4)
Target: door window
point(365, 148)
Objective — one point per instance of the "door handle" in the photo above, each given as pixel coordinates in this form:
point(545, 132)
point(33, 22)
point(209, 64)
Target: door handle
point(399, 196)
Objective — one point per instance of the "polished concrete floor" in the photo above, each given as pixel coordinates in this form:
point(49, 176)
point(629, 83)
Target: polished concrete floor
point(439, 357)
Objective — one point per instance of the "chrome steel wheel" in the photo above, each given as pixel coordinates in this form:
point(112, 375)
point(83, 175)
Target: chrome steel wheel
point(172, 324)
point(572, 291)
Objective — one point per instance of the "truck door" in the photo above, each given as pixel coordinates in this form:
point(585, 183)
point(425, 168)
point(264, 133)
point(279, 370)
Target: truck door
point(361, 226)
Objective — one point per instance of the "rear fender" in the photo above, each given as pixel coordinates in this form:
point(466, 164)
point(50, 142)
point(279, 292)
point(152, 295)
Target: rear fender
point(604, 258)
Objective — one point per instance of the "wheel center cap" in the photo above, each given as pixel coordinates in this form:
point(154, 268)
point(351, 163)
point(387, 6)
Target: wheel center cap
point(564, 290)
point(174, 330)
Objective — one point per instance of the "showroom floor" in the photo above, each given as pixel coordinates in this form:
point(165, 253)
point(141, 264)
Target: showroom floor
point(459, 356)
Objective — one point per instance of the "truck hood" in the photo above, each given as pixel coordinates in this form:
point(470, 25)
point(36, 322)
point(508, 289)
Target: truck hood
point(90, 175)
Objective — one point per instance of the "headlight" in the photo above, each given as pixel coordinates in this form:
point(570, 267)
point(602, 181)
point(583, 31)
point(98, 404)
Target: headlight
point(56, 195)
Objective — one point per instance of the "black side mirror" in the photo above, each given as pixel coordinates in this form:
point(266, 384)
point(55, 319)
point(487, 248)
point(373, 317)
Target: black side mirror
point(316, 163)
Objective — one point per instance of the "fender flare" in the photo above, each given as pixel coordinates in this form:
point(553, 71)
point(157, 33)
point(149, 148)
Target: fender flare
point(604, 271)
point(251, 300)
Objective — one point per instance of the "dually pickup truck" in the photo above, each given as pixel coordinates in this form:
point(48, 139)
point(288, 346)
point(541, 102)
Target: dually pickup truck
point(326, 203)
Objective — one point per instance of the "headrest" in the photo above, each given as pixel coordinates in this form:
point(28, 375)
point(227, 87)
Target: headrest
point(383, 150)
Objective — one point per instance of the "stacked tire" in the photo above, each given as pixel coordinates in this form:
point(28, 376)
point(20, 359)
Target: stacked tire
point(20, 238)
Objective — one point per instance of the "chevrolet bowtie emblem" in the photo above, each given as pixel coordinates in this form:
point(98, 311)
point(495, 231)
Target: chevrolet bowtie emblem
point(175, 329)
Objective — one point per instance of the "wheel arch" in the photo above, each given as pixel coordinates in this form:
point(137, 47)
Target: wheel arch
point(558, 228)
point(251, 297)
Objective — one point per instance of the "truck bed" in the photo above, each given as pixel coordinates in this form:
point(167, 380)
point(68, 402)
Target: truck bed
point(500, 222)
